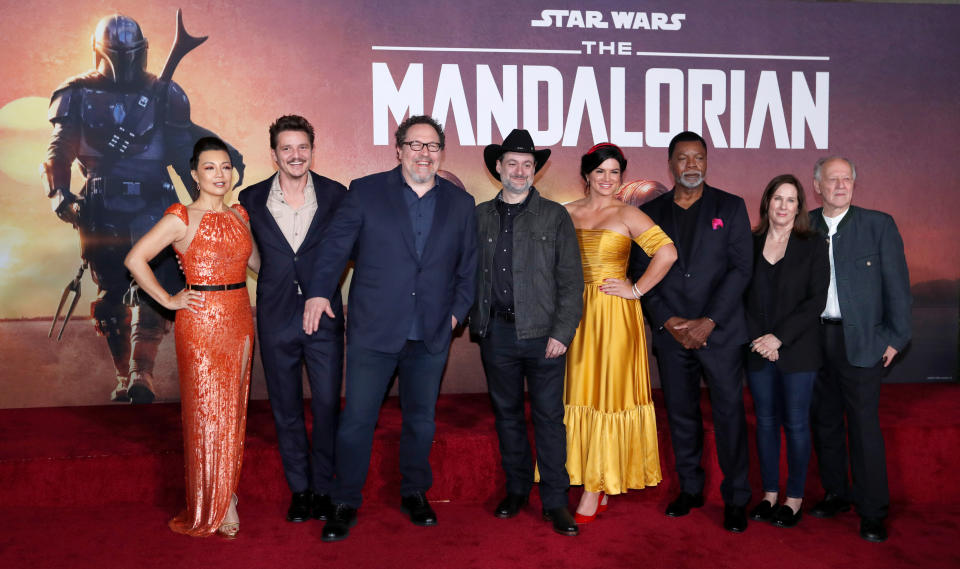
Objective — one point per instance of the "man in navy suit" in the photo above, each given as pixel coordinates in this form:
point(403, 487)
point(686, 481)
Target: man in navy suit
point(412, 235)
point(288, 213)
point(699, 326)
point(865, 324)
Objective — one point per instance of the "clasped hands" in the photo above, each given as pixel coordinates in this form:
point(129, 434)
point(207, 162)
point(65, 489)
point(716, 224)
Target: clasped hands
point(692, 334)
point(767, 346)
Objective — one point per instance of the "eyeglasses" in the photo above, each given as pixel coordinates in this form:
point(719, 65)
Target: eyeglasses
point(417, 146)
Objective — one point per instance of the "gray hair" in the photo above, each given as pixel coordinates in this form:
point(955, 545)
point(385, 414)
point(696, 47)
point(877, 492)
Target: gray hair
point(819, 166)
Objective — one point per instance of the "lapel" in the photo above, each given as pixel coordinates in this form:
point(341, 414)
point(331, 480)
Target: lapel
point(399, 211)
point(708, 211)
point(260, 201)
point(663, 216)
point(322, 212)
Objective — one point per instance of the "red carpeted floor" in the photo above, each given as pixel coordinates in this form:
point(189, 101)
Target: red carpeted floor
point(94, 486)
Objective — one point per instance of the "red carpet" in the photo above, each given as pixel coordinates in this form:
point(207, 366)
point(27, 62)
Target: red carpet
point(93, 487)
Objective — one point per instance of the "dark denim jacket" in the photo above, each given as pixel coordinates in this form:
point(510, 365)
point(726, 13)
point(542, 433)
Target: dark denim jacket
point(547, 274)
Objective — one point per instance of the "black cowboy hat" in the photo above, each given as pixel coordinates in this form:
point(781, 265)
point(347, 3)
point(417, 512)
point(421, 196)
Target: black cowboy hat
point(519, 140)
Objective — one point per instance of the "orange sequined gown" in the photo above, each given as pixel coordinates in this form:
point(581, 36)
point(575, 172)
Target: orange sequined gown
point(214, 348)
point(609, 415)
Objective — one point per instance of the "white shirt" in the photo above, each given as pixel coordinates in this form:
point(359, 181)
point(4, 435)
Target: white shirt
point(832, 309)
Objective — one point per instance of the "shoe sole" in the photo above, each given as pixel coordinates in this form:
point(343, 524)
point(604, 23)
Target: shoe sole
point(421, 524)
point(828, 515)
point(139, 395)
point(567, 533)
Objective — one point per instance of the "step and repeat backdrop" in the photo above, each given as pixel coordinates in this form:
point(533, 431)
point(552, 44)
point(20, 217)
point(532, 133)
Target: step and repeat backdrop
point(772, 86)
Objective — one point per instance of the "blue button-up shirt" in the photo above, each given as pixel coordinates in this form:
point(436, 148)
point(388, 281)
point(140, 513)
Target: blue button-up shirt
point(421, 210)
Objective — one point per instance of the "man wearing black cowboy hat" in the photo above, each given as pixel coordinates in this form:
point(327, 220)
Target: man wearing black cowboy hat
point(529, 300)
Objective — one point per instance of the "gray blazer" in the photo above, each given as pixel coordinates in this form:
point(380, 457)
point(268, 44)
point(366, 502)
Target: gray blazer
point(873, 285)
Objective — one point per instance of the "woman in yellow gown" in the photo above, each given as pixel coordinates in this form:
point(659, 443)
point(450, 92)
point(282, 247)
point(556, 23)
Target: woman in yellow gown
point(611, 427)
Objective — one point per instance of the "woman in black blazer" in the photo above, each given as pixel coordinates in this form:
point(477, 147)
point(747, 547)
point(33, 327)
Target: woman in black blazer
point(791, 273)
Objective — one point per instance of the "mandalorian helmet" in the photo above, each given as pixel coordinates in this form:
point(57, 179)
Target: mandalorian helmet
point(119, 49)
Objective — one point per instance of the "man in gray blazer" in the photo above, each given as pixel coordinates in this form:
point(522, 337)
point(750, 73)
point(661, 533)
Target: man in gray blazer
point(866, 323)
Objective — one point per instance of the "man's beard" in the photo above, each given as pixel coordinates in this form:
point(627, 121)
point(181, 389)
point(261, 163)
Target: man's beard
point(688, 184)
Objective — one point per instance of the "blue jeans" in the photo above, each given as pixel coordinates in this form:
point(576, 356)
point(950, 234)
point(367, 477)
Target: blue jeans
point(782, 399)
point(368, 374)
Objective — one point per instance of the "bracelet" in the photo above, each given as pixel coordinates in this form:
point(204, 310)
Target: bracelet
point(636, 292)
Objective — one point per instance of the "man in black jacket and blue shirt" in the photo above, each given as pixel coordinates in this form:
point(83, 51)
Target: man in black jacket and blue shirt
point(529, 302)
point(866, 323)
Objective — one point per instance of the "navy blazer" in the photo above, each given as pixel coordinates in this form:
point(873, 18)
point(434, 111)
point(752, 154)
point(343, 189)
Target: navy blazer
point(712, 284)
point(389, 280)
point(801, 294)
point(873, 284)
point(281, 270)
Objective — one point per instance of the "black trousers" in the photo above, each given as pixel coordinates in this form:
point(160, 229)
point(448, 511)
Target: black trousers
point(507, 361)
point(843, 391)
point(284, 352)
point(722, 368)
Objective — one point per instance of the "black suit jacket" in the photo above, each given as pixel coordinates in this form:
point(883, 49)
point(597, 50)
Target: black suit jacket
point(801, 294)
point(873, 284)
point(281, 270)
point(389, 280)
point(719, 269)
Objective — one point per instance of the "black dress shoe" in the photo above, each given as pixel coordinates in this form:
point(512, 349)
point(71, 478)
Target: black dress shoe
point(684, 502)
point(342, 518)
point(417, 506)
point(763, 512)
point(734, 518)
point(830, 506)
point(301, 504)
point(322, 507)
point(872, 529)
point(563, 522)
point(785, 517)
point(510, 506)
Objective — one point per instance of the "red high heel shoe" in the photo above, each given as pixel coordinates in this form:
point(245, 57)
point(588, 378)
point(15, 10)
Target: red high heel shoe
point(585, 519)
point(601, 507)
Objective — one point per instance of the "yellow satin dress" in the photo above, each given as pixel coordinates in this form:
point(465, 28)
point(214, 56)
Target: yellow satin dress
point(609, 415)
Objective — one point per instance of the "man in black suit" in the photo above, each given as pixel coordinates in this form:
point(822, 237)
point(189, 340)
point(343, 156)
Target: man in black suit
point(288, 213)
point(699, 327)
point(866, 323)
point(412, 235)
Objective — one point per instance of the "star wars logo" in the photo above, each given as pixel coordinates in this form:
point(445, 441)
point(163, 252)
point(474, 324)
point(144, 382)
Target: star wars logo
point(621, 20)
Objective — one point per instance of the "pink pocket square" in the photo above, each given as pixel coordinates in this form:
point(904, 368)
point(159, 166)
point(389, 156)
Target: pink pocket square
point(717, 223)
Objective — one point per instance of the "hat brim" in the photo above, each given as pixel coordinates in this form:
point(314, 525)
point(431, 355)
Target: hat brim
point(493, 152)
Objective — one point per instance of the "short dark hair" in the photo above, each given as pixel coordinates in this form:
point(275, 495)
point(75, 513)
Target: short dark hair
point(801, 224)
point(685, 136)
point(401, 134)
point(290, 122)
point(600, 154)
point(204, 144)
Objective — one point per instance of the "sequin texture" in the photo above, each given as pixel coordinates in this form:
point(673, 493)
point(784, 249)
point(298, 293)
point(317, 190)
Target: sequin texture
point(214, 349)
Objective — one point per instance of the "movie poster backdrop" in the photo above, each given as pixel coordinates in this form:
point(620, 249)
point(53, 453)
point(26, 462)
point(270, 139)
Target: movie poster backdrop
point(772, 86)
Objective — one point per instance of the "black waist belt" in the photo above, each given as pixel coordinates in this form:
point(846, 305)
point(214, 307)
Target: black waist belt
point(834, 321)
point(233, 286)
point(505, 315)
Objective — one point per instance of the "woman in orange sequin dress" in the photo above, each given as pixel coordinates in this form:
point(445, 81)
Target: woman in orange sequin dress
point(214, 336)
point(611, 427)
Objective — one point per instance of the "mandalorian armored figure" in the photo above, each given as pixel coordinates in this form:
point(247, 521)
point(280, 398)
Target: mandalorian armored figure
point(124, 127)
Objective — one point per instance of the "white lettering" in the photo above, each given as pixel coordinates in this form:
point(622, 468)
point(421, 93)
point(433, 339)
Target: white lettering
point(803, 110)
point(768, 100)
point(387, 97)
point(585, 96)
point(450, 92)
point(494, 105)
point(533, 75)
point(673, 79)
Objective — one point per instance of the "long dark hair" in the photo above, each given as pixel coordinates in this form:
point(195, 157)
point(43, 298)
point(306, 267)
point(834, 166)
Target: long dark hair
point(204, 144)
point(801, 223)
